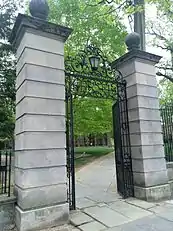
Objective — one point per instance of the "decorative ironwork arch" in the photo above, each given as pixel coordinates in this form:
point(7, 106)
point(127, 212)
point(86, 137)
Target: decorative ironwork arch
point(89, 74)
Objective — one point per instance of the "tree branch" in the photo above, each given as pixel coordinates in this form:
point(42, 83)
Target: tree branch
point(163, 48)
point(159, 36)
point(165, 76)
point(165, 68)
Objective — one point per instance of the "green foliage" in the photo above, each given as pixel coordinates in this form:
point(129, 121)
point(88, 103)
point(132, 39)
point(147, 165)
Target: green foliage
point(166, 94)
point(85, 155)
point(95, 151)
point(92, 116)
point(90, 24)
point(7, 73)
point(6, 121)
point(7, 91)
point(7, 16)
point(161, 30)
point(7, 69)
point(165, 6)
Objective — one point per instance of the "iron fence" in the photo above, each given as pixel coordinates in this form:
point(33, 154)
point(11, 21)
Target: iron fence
point(167, 127)
point(6, 152)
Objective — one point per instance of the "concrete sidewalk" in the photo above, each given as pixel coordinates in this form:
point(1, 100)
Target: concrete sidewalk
point(101, 208)
point(97, 182)
point(125, 215)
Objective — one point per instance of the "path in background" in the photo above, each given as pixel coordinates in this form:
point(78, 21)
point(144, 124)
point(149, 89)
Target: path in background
point(96, 182)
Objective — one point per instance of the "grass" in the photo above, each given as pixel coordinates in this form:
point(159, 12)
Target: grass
point(85, 155)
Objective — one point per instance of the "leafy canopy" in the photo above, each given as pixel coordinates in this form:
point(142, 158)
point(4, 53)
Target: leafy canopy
point(7, 69)
point(91, 24)
point(161, 31)
point(92, 116)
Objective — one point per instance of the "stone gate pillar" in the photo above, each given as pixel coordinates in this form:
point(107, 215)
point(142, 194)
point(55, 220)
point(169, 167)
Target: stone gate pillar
point(40, 156)
point(148, 159)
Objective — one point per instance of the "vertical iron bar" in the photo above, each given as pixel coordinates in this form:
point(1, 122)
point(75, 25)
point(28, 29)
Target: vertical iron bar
point(1, 172)
point(166, 135)
point(129, 144)
point(2, 179)
point(171, 129)
point(115, 131)
point(168, 121)
point(6, 169)
point(121, 121)
point(72, 153)
point(163, 127)
point(168, 111)
point(167, 117)
point(67, 149)
point(118, 147)
point(9, 177)
point(125, 154)
point(167, 143)
point(170, 132)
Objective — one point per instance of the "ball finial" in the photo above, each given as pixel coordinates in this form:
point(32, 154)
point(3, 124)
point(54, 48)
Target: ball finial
point(133, 41)
point(39, 9)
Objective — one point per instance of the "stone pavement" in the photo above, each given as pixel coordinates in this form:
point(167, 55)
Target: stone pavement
point(125, 215)
point(95, 181)
point(99, 207)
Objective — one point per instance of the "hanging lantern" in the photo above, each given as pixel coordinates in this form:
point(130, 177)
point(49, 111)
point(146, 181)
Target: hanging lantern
point(94, 62)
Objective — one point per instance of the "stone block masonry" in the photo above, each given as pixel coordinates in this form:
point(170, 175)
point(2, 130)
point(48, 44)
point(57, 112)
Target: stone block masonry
point(40, 145)
point(148, 158)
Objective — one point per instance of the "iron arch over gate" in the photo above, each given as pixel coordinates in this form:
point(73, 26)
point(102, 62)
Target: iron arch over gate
point(89, 74)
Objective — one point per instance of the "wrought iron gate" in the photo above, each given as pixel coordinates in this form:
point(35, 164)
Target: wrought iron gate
point(89, 74)
point(167, 128)
point(122, 144)
point(70, 151)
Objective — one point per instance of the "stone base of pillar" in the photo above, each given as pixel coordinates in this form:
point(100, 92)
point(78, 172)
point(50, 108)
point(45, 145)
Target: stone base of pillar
point(155, 193)
point(42, 218)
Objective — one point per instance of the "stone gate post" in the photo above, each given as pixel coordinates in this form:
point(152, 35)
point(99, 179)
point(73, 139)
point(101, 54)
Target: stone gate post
point(40, 155)
point(148, 159)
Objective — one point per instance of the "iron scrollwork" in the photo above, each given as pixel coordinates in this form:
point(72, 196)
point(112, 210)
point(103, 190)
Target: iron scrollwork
point(92, 81)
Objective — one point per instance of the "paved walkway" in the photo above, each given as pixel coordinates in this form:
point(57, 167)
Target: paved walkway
point(96, 183)
point(100, 208)
point(129, 215)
